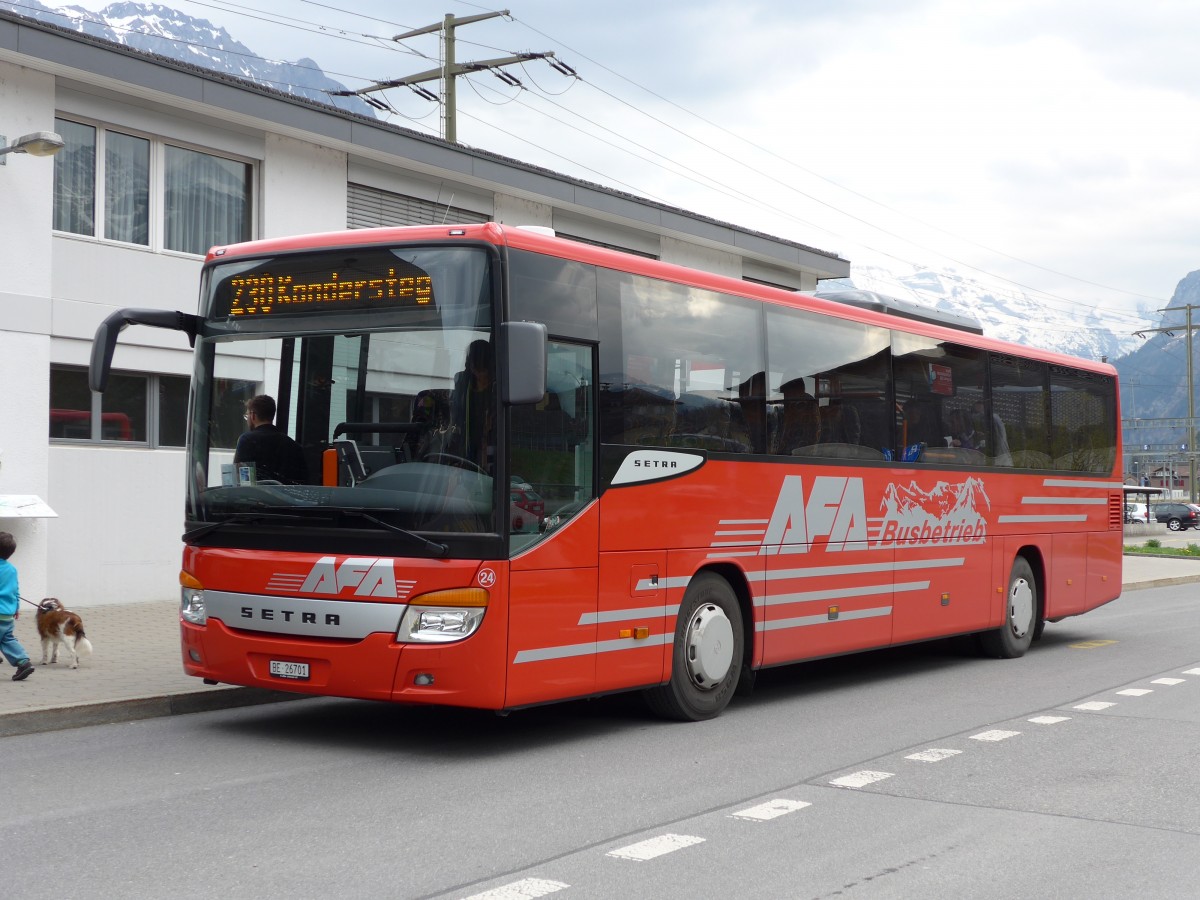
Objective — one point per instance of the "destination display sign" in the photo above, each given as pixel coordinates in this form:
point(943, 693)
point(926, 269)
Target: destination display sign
point(290, 287)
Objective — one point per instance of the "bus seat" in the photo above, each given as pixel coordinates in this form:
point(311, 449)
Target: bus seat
point(839, 451)
point(956, 456)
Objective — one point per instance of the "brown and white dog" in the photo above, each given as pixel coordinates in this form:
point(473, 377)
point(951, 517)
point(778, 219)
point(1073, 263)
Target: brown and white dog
point(58, 625)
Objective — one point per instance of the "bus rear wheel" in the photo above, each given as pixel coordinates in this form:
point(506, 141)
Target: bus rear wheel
point(707, 653)
point(1013, 638)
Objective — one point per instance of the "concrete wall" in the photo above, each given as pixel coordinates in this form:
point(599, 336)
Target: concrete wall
point(303, 188)
point(684, 254)
point(26, 188)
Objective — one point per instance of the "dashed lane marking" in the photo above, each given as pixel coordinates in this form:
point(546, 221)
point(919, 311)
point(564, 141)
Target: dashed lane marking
point(860, 779)
point(1091, 645)
point(1135, 692)
point(1049, 720)
point(933, 754)
point(1191, 672)
point(655, 846)
point(1168, 681)
point(525, 889)
point(772, 809)
point(1095, 705)
point(994, 735)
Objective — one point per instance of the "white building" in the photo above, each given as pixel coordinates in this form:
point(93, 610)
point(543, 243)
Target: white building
point(162, 160)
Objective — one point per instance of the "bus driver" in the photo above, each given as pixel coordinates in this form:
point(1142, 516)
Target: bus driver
point(276, 457)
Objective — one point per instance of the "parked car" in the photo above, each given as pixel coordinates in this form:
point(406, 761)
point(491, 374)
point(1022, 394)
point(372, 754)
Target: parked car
point(1178, 516)
point(1136, 514)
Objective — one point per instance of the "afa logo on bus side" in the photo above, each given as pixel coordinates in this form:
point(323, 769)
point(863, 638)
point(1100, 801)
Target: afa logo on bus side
point(835, 509)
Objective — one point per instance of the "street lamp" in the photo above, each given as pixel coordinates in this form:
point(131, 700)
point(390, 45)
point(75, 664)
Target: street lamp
point(39, 143)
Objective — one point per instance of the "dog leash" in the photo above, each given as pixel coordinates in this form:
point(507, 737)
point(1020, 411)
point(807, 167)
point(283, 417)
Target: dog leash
point(30, 602)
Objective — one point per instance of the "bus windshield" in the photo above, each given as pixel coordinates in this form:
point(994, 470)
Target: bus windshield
point(381, 416)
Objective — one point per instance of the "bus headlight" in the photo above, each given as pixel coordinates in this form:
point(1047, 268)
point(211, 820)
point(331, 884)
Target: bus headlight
point(191, 600)
point(442, 616)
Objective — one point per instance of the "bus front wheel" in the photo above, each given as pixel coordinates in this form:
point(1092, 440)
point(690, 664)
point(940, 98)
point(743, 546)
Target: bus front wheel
point(706, 656)
point(1013, 638)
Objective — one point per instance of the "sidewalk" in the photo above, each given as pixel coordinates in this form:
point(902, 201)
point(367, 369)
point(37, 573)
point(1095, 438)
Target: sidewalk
point(136, 673)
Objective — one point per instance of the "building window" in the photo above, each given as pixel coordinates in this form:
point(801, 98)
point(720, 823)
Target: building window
point(135, 407)
point(75, 179)
point(207, 201)
point(148, 192)
point(127, 188)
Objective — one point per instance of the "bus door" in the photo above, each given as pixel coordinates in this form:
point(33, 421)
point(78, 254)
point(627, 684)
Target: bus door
point(554, 533)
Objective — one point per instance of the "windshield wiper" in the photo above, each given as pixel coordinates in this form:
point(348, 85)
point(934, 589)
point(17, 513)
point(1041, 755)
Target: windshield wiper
point(242, 519)
point(438, 548)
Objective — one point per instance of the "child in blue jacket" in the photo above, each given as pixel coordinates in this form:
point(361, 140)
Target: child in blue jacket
point(10, 609)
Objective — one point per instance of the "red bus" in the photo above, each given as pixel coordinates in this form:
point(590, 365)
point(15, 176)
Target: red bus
point(731, 476)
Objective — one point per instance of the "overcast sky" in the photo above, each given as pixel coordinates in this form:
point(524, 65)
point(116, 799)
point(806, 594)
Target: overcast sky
point(1054, 144)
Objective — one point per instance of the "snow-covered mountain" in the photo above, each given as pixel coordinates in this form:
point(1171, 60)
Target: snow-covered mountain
point(153, 28)
point(1006, 312)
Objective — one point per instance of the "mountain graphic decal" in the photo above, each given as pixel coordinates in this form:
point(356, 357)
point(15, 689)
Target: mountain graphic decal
point(945, 514)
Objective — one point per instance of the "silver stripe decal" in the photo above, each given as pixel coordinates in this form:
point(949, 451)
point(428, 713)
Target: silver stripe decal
point(1073, 501)
point(621, 615)
point(842, 593)
point(823, 619)
point(861, 569)
point(591, 648)
point(664, 584)
point(744, 522)
point(1063, 482)
point(1014, 519)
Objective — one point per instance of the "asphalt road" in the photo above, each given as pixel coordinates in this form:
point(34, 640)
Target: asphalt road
point(1023, 784)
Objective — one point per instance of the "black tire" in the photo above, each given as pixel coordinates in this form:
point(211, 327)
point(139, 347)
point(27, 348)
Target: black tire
point(707, 654)
point(1174, 524)
point(1021, 616)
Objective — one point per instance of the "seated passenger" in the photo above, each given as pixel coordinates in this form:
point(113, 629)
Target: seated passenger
point(752, 398)
point(840, 424)
point(472, 408)
point(801, 422)
point(275, 456)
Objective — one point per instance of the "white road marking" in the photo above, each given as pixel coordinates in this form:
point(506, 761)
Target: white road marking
point(1049, 720)
point(1168, 681)
point(655, 846)
point(994, 735)
point(1135, 692)
point(1191, 672)
point(933, 754)
point(525, 889)
point(1095, 705)
point(860, 779)
point(772, 809)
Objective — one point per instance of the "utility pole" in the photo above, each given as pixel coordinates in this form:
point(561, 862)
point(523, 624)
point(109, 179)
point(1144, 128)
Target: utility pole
point(450, 69)
point(1191, 405)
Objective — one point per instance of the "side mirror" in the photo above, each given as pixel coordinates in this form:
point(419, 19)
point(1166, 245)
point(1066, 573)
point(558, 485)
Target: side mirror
point(524, 346)
point(105, 341)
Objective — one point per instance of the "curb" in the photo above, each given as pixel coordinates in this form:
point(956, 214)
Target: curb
point(1160, 582)
point(111, 712)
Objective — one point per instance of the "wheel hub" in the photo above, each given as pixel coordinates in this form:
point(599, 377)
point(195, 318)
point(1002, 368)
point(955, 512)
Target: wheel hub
point(1020, 607)
point(709, 646)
